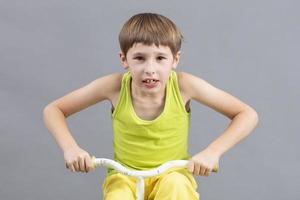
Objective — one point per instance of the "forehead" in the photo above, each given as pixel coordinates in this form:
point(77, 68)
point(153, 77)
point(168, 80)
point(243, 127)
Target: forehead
point(141, 48)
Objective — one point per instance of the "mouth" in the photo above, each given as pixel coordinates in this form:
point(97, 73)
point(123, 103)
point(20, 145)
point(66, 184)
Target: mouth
point(150, 83)
point(148, 80)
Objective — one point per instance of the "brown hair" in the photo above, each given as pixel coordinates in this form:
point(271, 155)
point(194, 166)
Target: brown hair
point(150, 28)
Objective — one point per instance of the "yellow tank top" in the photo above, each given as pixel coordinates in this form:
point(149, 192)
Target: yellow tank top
point(144, 144)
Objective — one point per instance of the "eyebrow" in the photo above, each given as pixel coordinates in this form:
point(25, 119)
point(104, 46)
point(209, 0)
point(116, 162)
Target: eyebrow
point(156, 52)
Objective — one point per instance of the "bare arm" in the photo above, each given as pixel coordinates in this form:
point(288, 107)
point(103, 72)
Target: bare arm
point(56, 112)
point(243, 117)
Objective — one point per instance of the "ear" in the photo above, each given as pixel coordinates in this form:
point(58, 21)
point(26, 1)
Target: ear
point(123, 60)
point(176, 59)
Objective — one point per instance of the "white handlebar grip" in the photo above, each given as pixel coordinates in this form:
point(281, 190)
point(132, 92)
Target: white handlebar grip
point(93, 162)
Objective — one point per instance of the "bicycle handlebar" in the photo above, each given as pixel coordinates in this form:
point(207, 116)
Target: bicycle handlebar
point(139, 174)
point(98, 162)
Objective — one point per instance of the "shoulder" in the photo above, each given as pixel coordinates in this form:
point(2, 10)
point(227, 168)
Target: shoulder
point(114, 80)
point(184, 76)
point(209, 95)
point(102, 88)
point(188, 82)
point(110, 84)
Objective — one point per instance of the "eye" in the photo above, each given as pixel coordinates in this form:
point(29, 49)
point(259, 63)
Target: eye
point(161, 58)
point(138, 58)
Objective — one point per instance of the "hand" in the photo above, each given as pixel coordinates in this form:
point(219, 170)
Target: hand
point(78, 160)
point(203, 163)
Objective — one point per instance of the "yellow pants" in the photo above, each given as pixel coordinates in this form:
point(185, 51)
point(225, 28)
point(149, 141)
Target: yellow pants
point(176, 184)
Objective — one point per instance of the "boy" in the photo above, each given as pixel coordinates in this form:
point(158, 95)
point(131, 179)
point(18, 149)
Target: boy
point(150, 114)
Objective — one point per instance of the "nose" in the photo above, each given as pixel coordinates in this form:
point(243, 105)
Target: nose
point(149, 72)
point(150, 69)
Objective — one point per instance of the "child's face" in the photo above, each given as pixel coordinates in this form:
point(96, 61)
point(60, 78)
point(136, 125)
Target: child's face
point(149, 66)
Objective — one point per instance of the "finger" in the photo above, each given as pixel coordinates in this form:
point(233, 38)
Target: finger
point(67, 166)
point(88, 163)
point(81, 164)
point(190, 166)
point(71, 168)
point(202, 170)
point(196, 169)
point(75, 166)
point(207, 172)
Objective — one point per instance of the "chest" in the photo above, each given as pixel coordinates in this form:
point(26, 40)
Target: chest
point(148, 110)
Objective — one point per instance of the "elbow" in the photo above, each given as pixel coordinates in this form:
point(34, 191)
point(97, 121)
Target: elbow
point(256, 118)
point(49, 108)
point(253, 115)
point(53, 107)
point(46, 110)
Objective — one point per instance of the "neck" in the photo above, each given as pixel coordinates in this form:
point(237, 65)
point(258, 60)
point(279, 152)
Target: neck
point(137, 93)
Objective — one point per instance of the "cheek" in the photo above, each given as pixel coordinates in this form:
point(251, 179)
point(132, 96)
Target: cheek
point(136, 71)
point(166, 70)
point(135, 74)
point(166, 73)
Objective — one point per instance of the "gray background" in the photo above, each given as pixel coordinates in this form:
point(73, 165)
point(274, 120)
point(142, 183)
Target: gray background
point(247, 48)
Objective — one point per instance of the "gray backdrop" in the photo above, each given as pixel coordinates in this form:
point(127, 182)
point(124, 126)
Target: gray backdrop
point(247, 48)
